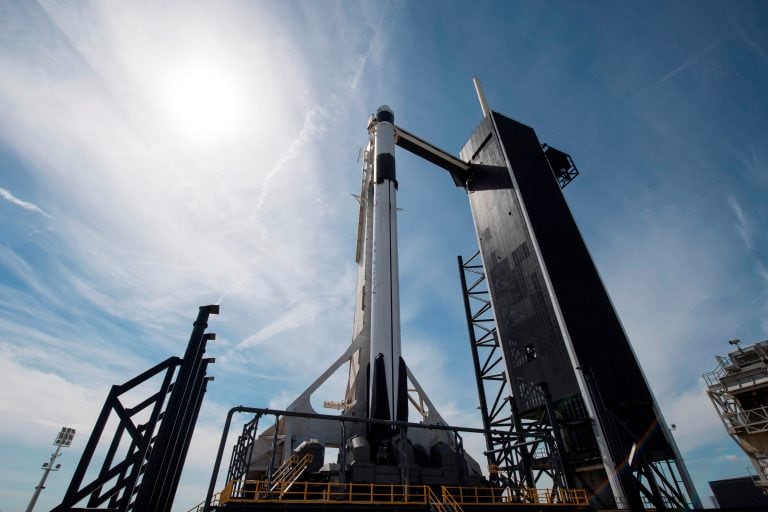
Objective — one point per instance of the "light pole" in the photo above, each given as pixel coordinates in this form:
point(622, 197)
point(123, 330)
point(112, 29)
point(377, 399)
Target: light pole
point(63, 439)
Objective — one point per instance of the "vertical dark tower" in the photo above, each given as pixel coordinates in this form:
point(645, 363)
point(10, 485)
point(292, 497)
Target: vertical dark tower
point(556, 325)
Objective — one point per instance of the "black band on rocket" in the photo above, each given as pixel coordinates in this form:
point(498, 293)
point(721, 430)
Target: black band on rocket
point(385, 168)
point(385, 116)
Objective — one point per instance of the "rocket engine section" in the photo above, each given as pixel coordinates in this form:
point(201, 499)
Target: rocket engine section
point(379, 380)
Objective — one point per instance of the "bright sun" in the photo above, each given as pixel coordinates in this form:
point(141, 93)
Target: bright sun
point(204, 103)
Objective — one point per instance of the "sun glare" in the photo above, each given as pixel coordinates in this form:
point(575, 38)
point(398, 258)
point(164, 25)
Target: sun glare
point(204, 103)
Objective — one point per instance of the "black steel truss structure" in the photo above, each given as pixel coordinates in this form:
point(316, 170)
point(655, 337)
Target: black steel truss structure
point(145, 456)
point(518, 455)
point(519, 460)
point(655, 483)
point(241, 452)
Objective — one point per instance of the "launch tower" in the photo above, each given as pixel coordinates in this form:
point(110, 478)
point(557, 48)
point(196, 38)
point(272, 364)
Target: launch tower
point(566, 359)
point(561, 392)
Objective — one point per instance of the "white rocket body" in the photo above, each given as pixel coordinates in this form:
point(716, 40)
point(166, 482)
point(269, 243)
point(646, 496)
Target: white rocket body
point(385, 292)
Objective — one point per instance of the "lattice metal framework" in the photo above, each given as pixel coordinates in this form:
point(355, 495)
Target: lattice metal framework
point(522, 456)
point(561, 164)
point(653, 482)
point(241, 452)
point(738, 388)
point(531, 439)
point(146, 453)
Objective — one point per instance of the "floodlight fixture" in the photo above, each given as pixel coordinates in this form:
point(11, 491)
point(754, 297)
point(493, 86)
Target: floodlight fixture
point(65, 437)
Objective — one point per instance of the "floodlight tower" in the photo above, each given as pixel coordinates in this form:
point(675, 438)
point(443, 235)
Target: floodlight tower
point(63, 440)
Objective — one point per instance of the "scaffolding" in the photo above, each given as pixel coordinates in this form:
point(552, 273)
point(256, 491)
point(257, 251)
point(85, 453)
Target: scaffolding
point(738, 388)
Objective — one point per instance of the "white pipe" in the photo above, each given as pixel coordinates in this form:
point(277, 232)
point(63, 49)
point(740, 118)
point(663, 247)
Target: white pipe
point(481, 96)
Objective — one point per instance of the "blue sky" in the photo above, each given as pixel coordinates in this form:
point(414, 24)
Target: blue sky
point(157, 158)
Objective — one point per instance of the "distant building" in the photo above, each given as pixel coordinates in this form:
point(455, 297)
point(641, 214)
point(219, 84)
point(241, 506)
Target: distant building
point(739, 493)
point(738, 388)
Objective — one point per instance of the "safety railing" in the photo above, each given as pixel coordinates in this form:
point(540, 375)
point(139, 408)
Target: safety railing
point(748, 379)
point(201, 506)
point(566, 496)
point(451, 499)
point(256, 490)
point(730, 375)
point(449, 502)
point(508, 496)
point(290, 471)
point(435, 504)
point(286, 466)
point(750, 422)
point(713, 378)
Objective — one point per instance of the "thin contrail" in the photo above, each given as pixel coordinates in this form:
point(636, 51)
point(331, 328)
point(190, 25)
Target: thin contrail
point(679, 69)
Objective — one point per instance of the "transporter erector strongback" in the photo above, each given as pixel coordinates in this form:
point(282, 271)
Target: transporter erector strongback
point(555, 324)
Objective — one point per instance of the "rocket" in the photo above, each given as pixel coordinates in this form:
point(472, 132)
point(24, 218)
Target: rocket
point(379, 380)
point(387, 398)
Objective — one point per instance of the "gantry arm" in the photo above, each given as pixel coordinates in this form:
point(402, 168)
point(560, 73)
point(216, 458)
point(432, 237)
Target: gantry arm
point(458, 168)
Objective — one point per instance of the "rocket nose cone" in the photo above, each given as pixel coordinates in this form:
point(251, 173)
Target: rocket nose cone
point(384, 113)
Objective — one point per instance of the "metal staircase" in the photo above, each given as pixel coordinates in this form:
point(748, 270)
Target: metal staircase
point(443, 503)
point(449, 502)
point(288, 473)
point(136, 451)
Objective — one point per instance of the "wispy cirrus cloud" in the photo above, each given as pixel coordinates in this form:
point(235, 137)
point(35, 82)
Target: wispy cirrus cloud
point(8, 196)
point(743, 226)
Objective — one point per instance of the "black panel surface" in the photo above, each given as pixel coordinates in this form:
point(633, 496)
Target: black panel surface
point(533, 347)
point(511, 179)
point(739, 492)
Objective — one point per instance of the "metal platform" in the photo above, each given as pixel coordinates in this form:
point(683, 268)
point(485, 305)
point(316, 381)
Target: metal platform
point(293, 485)
point(738, 388)
point(264, 495)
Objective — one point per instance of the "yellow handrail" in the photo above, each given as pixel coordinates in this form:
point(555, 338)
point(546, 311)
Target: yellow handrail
point(293, 469)
point(453, 498)
point(200, 506)
point(285, 467)
point(449, 500)
point(435, 501)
